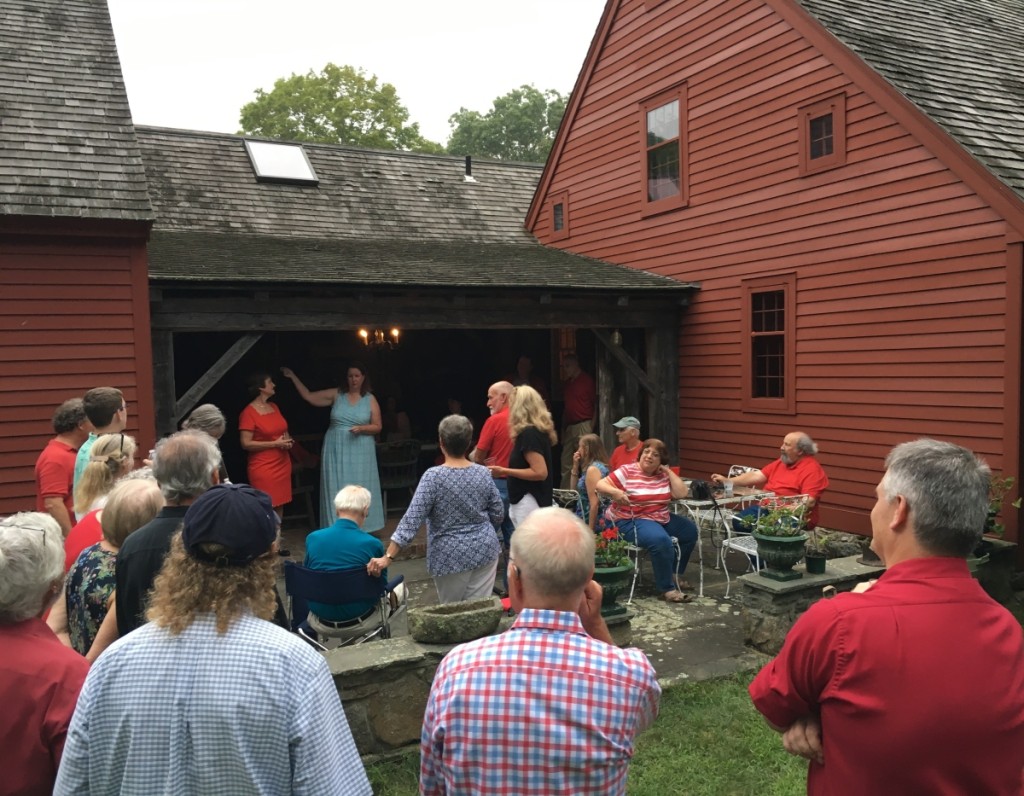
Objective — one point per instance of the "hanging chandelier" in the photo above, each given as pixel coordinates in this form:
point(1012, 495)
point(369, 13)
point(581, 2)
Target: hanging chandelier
point(379, 337)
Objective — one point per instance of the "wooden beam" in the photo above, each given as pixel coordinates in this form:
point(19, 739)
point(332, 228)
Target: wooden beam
point(663, 359)
point(628, 363)
point(227, 360)
point(163, 381)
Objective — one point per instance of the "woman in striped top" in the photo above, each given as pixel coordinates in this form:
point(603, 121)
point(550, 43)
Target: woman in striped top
point(641, 493)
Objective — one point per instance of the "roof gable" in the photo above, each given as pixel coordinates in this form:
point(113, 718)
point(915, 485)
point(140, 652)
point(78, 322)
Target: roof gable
point(67, 145)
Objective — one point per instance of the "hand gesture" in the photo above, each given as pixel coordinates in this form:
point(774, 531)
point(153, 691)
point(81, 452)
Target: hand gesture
point(622, 498)
point(803, 739)
point(576, 459)
point(285, 441)
point(717, 478)
point(288, 373)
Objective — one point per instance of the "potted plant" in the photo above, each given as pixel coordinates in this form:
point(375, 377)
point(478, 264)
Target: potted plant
point(815, 552)
point(999, 488)
point(612, 569)
point(779, 533)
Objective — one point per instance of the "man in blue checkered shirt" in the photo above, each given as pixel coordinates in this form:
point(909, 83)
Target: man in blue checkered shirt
point(551, 705)
point(210, 697)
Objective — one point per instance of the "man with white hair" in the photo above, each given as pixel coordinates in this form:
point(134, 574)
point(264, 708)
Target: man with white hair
point(345, 545)
point(39, 677)
point(554, 676)
point(914, 684)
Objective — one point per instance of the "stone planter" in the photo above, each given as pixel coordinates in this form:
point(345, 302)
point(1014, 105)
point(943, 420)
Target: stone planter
point(615, 582)
point(779, 554)
point(454, 623)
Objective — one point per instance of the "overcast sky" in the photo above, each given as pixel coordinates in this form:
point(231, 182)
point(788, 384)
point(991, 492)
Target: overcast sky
point(193, 64)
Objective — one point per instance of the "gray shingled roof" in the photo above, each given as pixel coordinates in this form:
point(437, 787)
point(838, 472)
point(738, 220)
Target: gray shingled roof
point(67, 145)
point(959, 61)
point(392, 218)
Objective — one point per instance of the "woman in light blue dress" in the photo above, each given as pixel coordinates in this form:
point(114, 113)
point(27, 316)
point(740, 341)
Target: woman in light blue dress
point(349, 454)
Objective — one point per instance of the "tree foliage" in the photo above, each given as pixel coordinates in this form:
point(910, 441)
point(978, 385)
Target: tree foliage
point(521, 125)
point(340, 105)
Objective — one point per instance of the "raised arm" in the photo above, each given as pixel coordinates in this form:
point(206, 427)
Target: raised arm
point(319, 398)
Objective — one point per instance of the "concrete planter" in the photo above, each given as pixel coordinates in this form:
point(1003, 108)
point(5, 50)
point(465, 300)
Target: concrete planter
point(455, 622)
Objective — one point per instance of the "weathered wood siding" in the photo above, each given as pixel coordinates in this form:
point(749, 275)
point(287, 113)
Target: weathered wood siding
point(70, 319)
point(901, 282)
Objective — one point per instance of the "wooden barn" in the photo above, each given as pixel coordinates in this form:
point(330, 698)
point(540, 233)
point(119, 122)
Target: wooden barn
point(74, 216)
point(845, 179)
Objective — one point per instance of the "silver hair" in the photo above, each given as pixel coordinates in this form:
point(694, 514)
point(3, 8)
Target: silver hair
point(806, 445)
point(353, 498)
point(555, 551)
point(31, 562)
point(946, 489)
point(207, 418)
point(184, 464)
point(456, 434)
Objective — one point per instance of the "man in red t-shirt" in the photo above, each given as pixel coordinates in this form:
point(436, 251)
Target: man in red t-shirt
point(55, 467)
point(913, 683)
point(580, 395)
point(795, 472)
point(627, 432)
point(495, 445)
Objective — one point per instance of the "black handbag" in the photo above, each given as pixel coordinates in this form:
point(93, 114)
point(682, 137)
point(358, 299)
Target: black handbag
point(701, 490)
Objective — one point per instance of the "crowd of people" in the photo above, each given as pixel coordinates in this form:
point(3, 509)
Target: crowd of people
point(145, 648)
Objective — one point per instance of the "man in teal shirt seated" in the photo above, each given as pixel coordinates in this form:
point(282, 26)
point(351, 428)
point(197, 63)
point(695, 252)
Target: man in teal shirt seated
point(345, 545)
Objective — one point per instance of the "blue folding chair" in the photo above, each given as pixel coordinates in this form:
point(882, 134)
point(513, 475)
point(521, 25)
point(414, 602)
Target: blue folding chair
point(339, 587)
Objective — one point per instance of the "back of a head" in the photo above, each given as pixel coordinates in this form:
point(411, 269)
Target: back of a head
point(184, 465)
point(528, 409)
point(946, 488)
point(69, 416)
point(352, 499)
point(554, 550)
point(206, 418)
point(130, 505)
point(101, 404)
point(456, 434)
point(111, 456)
point(31, 562)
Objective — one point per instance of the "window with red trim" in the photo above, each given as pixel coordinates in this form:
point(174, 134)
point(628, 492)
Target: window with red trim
point(559, 215)
point(822, 134)
point(663, 148)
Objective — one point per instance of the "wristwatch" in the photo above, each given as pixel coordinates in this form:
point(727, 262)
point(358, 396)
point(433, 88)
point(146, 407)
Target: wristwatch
point(388, 556)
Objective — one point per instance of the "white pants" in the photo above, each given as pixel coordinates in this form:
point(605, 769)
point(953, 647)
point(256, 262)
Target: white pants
point(523, 509)
point(474, 584)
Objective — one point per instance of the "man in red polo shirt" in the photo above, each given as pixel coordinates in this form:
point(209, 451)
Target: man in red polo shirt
point(580, 396)
point(55, 467)
point(795, 472)
point(495, 446)
point(915, 683)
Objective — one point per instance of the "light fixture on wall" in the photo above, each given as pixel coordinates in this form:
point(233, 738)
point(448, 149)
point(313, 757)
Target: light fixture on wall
point(616, 338)
point(379, 337)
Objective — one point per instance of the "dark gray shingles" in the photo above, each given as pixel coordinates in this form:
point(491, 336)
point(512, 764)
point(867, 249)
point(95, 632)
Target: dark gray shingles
point(67, 145)
point(959, 61)
point(389, 218)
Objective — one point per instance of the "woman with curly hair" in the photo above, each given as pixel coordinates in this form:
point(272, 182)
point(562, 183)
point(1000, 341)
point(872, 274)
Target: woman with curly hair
point(529, 466)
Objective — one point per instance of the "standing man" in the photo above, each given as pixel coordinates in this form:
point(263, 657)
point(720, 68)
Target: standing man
point(580, 396)
point(627, 432)
point(795, 472)
point(495, 447)
point(916, 683)
point(554, 676)
point(210, 697)
point(55, 467)
point(108, 413)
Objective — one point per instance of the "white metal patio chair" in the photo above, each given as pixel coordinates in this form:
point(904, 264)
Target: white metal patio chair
point(745, 542)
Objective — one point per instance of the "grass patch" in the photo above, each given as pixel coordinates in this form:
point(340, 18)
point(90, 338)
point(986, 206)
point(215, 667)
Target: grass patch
point(708, 741)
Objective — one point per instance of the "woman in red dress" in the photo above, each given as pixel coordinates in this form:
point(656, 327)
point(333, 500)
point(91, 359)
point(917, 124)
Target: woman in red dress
point(264, 435)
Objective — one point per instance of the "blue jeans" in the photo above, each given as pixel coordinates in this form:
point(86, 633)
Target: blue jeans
point(655, 539)
point(506, 528)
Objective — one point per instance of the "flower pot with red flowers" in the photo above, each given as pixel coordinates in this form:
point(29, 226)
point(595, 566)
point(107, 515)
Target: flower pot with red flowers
point(613, 569)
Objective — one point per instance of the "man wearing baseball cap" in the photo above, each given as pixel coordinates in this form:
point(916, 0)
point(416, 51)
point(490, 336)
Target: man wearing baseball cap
point(210, 696)
point(627, 431)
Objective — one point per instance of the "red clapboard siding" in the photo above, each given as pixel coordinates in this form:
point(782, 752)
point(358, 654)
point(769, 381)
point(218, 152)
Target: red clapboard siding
point(901, 266)
point(71, 318)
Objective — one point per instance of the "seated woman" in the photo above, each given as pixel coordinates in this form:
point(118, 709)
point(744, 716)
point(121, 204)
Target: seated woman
point(463, 511)
point(590, 465)
point(89, 588)
point(640, 494)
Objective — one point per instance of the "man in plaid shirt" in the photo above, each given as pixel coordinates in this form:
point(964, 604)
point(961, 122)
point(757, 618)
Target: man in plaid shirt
point(551, 706)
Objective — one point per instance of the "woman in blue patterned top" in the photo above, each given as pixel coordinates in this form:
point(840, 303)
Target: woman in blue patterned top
point(463, 511)
point(89, 587)
point(590, 465)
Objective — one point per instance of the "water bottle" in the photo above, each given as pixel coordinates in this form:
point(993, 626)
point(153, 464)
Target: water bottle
point(727, 486)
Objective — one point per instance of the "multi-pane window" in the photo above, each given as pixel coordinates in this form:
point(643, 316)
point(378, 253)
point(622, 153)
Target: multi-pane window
point(768, 332)
point(663, 151)
point(769, 327)
point(559, 204)
point(558, 217)
point(821, 136)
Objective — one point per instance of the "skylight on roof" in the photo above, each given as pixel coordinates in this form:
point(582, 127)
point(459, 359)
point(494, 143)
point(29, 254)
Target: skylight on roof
point(283, 163)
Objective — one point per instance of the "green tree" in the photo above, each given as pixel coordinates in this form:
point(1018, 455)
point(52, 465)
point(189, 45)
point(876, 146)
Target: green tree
point(521, 125)
point(340, 105)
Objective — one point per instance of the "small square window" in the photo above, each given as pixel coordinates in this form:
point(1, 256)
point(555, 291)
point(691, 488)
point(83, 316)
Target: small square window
point(822, 138)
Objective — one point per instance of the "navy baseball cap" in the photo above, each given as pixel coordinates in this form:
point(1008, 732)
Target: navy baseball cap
point(236, 516)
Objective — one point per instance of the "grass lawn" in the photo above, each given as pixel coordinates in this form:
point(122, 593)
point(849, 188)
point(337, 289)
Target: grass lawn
point(708, 741)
